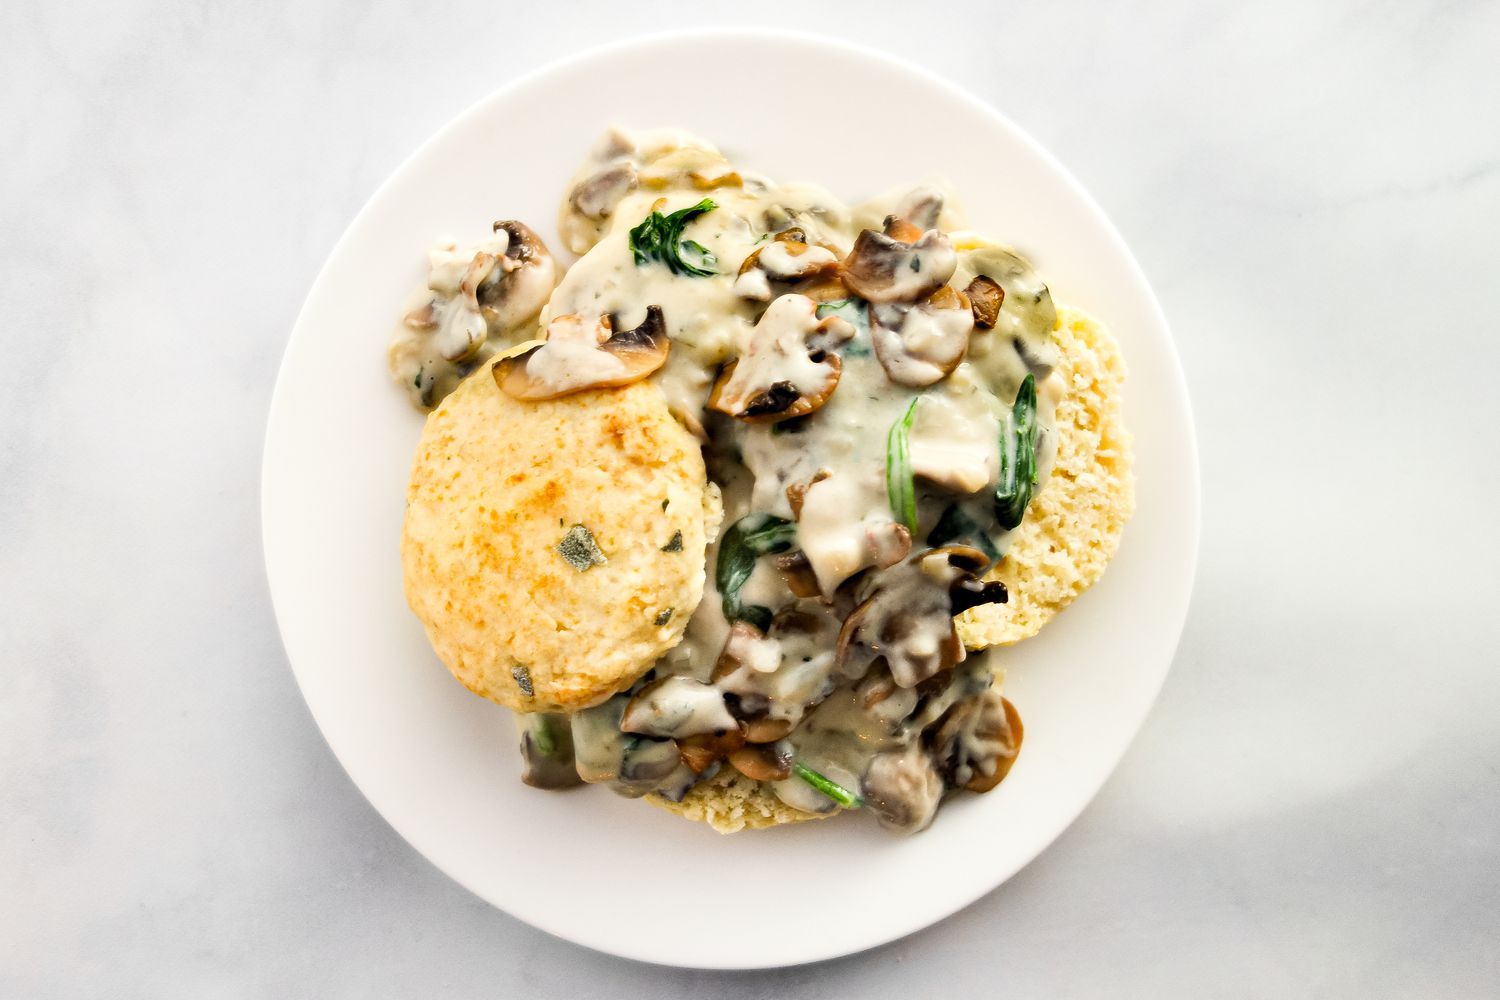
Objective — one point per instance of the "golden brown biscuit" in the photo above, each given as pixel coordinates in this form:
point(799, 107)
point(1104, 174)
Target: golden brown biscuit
point(553, 550)
point(1073, 526)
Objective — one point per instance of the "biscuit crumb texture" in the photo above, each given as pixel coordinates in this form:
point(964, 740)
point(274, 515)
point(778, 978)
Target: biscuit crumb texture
point(1073, 525)
point(497, 486)
point(730, 802)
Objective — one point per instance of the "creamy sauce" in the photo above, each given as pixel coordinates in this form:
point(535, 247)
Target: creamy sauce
point(479, 300)
point(795, 361)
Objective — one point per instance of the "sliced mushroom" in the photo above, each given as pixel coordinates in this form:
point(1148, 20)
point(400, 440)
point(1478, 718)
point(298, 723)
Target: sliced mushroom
point(901, 230)
point(1006, 738)
point(631, 764)
point(907, 616)
point(547, 751)
point(677, 707)
point(917, 639)
point(766, 730)
point(788, 257)
point(883, 269)
point(583, 353)
point(781, 674)
point(797, 492)
point(645, 764)
point(702, 168)
point(959, 567)
point(514, 293)
point(747, 646)
point(977, 740)
point(701, 752)
point(453, 319)
point(921, 344)
point(903, 789)
point(826, 286)
point(985, 299)
point(763, 762)
point(798, 573)
point(597, 195)
point(778, 375)
point(1025, 316)
point(675, 786)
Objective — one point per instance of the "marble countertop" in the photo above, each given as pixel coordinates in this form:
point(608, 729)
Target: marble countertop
point(1312, 809)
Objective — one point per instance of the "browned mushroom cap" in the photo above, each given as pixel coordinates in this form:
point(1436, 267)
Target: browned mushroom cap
point(514, 292)
point(1004, 731)
point(882, 269)
point(921, 344)
point(648, 763)
point(965, 589)
point(985, 298)
point(765, 730)
point(582, 353)
point(699, 752)
point(764, 762)
point(900, 230)
point(787, 258)
point(780, 375)
point(825, 286)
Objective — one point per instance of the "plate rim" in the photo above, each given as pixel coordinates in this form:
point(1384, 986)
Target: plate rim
point(1192, 474)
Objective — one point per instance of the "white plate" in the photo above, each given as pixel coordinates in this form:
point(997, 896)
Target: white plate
point(440, 764)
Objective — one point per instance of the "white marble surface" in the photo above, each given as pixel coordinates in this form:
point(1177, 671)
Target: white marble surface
point(1313, 809)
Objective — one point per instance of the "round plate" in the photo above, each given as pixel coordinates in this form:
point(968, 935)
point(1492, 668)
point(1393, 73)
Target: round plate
point(441, 765)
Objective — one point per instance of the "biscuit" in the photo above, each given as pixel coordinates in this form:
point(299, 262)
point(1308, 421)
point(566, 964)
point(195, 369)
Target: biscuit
point(554, 550)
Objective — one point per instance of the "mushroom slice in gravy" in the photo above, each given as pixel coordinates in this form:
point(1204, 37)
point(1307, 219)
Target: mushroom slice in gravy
point(477, 300)
point(985, 298)
point(764, 761)
point(778, 374)
point(676, 707)
point(585, 353)
point(903, 789)
point(883, 269)
point(922, 343)
point(788, 257)
point(907, 618)
point(596, 196)
point(516, 290)
point(977, 741)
